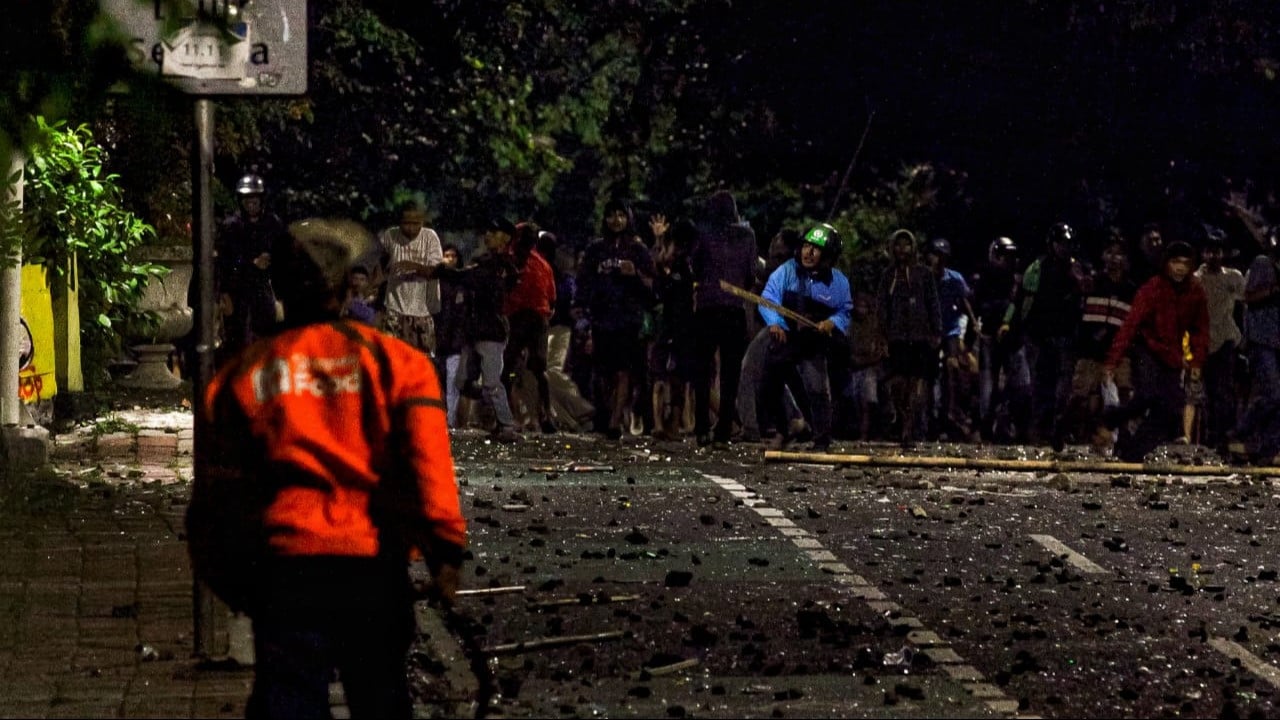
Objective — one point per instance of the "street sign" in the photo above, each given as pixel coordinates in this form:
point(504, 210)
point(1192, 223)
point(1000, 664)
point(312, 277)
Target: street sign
point(218, 47)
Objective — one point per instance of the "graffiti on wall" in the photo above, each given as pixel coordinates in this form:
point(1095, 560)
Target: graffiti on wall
point(37, 363)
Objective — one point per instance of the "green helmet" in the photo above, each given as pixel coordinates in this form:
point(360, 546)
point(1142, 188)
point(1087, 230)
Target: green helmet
point(827, 239)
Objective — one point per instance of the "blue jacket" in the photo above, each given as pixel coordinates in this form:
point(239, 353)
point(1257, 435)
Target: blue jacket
point(819, 296)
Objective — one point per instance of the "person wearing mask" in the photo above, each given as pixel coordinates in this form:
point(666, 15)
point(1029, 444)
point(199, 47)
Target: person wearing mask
point(615, 290)
point(245, 243)
point(811, 286)
point(725, 252)
point(330, 463)
point(1166, 307)
point(911, 319)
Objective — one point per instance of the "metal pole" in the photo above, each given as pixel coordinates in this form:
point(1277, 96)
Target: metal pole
point(202, 225)
point(11, 311)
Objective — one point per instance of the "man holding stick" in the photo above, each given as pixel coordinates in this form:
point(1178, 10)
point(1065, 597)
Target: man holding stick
point(820, 308)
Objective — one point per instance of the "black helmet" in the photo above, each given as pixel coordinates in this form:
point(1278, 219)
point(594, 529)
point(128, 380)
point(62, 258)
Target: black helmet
point(250, 185)
point(826, 238)
point(1061, 233)
point(940, 247)
point(1001, 247)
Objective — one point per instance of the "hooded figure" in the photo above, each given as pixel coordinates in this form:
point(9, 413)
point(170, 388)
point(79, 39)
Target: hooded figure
point(725, 252)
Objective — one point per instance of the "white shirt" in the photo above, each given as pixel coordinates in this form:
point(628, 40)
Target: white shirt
point(407, 293)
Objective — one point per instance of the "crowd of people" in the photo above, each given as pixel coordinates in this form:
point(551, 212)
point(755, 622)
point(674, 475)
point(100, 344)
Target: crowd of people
point(681, 328)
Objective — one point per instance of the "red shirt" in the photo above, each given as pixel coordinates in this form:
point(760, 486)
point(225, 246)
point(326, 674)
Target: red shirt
point(1162, 312)
point(535, 290)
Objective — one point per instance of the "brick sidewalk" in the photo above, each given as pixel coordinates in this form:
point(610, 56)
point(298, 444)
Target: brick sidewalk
point(95, 585)
point(96, 588)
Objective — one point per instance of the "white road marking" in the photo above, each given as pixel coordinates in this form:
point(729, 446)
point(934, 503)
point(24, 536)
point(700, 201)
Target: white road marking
point(1073, 558)
point(931, 644)
point(1254, 664)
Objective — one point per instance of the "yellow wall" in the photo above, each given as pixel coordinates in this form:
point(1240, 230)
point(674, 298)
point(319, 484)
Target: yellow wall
point(38, 381)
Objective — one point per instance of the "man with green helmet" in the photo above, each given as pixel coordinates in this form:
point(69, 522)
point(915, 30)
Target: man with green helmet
point(812, 287)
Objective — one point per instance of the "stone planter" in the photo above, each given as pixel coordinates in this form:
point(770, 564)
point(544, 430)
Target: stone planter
point(167, 298)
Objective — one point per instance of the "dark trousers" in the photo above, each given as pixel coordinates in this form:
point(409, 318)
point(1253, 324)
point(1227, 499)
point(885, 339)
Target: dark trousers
point(1158, 400)
point(785, 364)
point(1220, 393)
point(317, 615)
point(723, 330)
point(1051, 373)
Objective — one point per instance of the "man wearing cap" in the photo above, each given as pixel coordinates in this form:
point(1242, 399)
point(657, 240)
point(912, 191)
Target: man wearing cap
point(330, 463)
point(1224, 288)
point(1166, 307)
point(411, 253)
point(486, 329)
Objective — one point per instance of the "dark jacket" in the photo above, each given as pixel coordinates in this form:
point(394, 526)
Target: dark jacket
point(614, 301)
point(487, 281)
point(725, 250)
point(908, 305)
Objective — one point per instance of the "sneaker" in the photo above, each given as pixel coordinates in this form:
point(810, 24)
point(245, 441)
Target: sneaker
point(548, 427)
point(506, 434)
point(704, 440)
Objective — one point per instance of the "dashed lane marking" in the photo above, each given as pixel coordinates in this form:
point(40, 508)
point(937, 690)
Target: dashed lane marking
point(1254, 664)
point(1073, 558)
point(931, 645)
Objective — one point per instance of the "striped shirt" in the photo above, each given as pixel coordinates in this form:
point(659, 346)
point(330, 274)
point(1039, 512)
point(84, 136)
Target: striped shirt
point(1105, 309)
point(409, 294)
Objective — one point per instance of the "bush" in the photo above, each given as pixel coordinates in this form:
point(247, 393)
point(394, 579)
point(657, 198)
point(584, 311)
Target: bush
point(73, 209)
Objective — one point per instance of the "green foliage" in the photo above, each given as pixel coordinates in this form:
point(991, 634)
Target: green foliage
point(74, 210)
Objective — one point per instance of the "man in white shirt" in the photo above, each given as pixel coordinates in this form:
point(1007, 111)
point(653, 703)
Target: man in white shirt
point(411, 253)
point(1224, 287)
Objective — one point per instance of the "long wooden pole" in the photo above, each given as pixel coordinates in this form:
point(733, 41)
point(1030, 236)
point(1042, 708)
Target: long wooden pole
point(752, 297)
point(933, 461)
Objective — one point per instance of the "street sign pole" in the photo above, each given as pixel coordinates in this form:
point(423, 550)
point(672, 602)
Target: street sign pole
point(203, 609)
point(212, 48)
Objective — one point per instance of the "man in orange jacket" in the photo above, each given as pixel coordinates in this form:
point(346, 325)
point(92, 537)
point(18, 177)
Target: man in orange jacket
point(330, 464)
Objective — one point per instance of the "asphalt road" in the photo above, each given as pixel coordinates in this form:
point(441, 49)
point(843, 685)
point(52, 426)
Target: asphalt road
point(671, 582)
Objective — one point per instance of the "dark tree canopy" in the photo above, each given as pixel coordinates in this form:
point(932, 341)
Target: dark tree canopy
point(989, 117)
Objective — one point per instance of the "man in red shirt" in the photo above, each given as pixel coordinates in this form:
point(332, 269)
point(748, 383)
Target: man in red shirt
point(330, 464)
point(528, 309)
point(1168, 306)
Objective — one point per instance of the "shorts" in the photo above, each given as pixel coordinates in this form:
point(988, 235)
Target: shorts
point(1088, 377)
point(417, 330)
point(863, 385)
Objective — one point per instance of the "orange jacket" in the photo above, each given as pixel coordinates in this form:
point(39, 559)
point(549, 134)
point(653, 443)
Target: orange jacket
point(327, 437)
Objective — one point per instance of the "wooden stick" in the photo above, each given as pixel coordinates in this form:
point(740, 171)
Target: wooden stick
point(664, 669)
point(927, 461)
point(538, 643)
point(505, 590)
point(752, 297)
point(588, 600)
